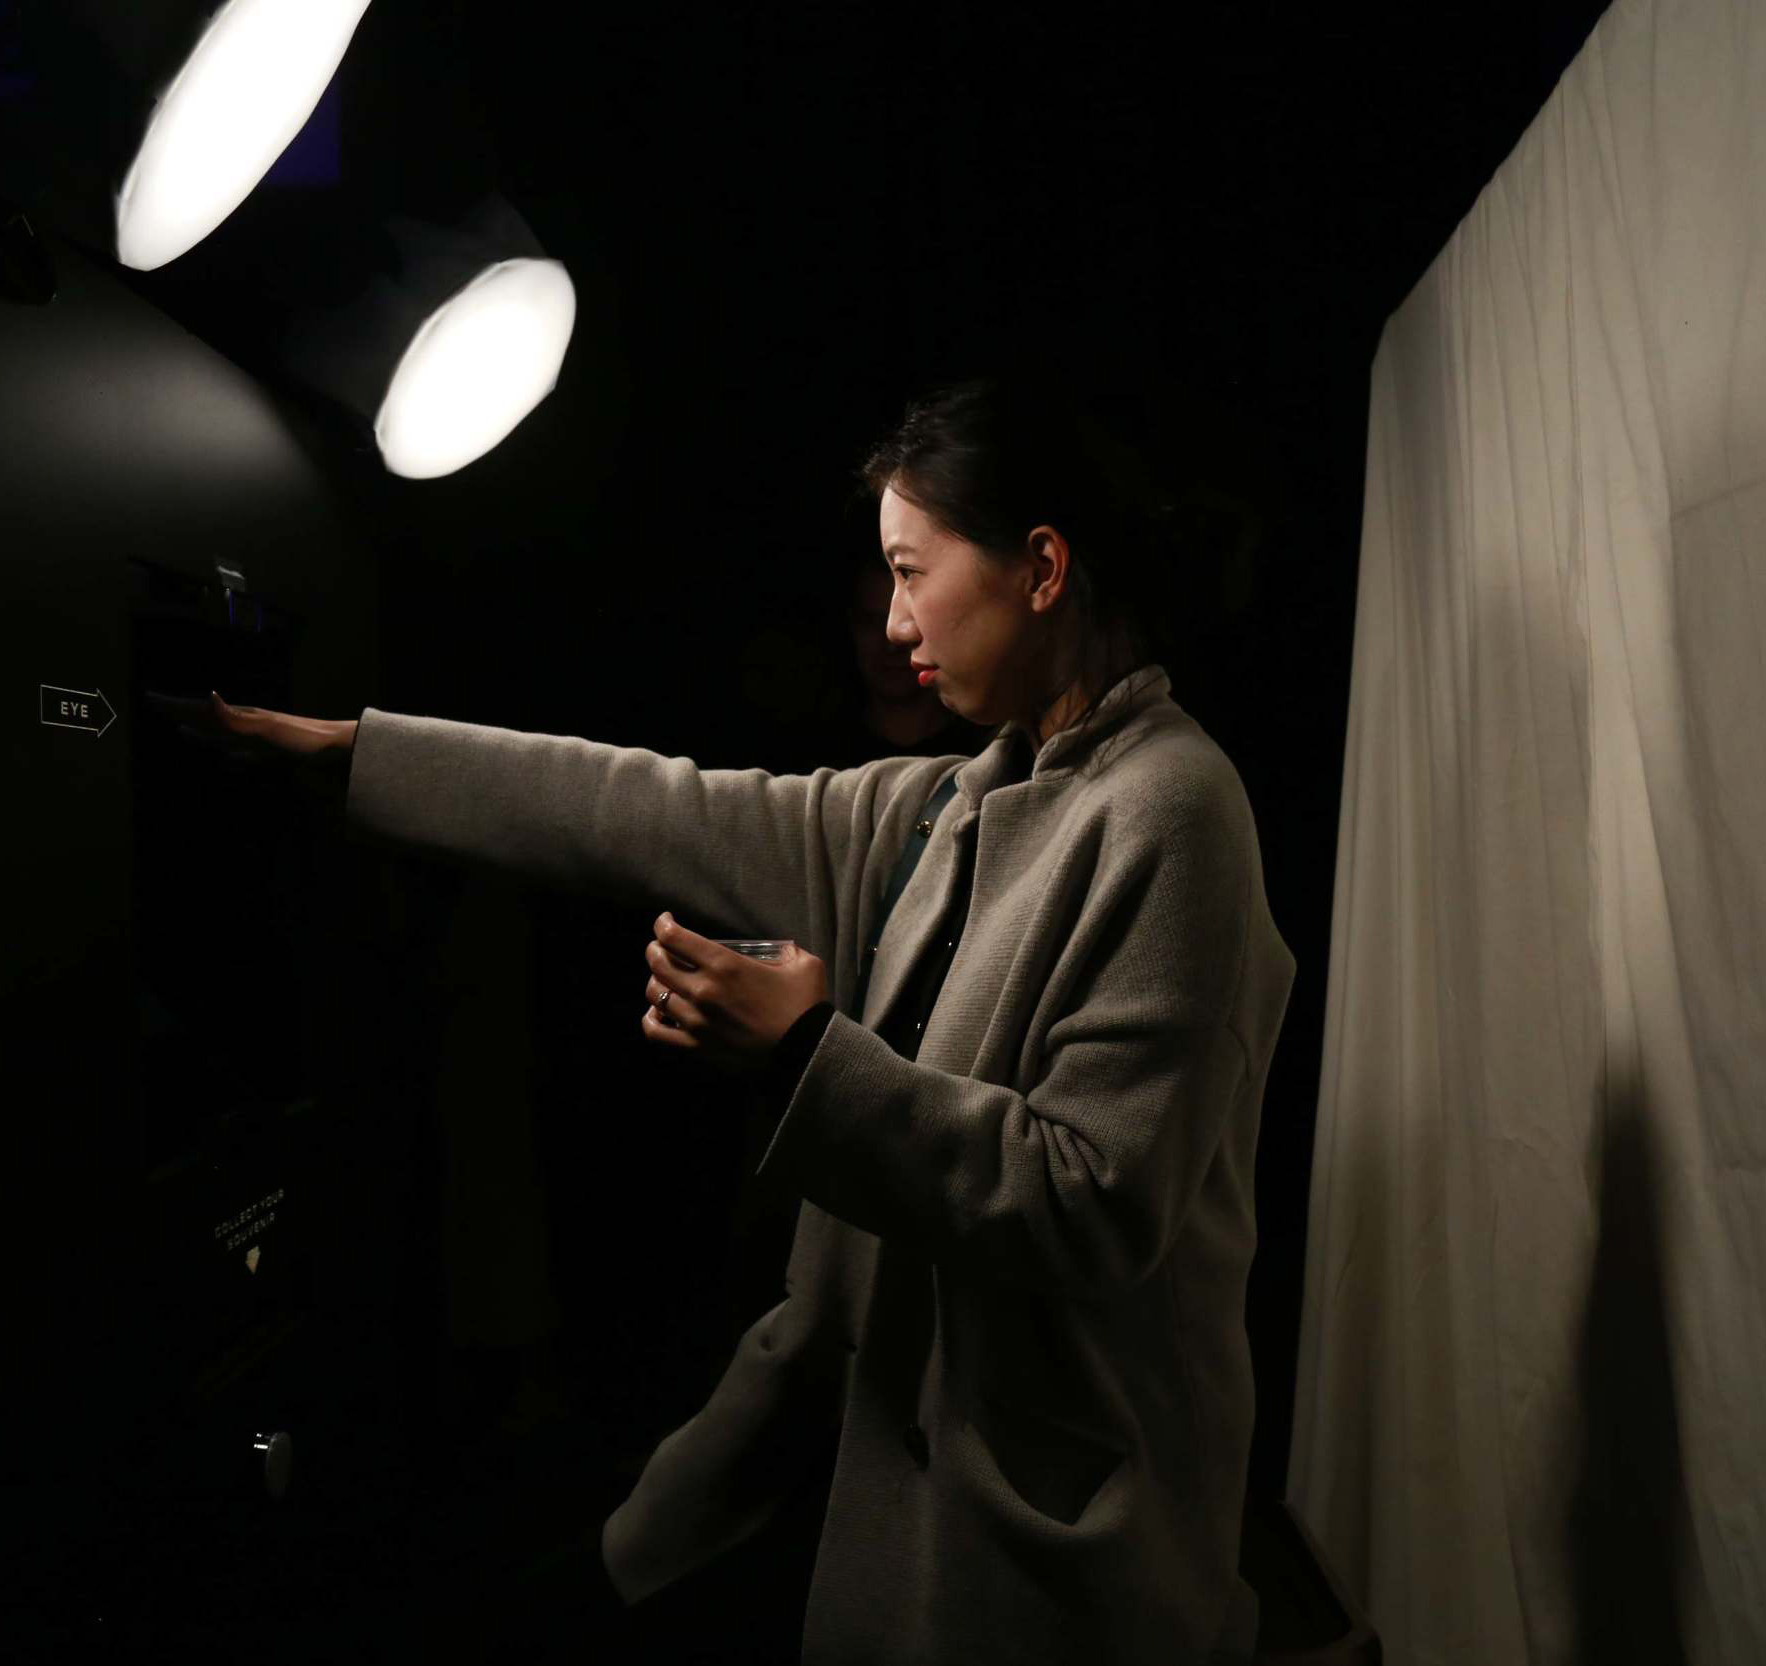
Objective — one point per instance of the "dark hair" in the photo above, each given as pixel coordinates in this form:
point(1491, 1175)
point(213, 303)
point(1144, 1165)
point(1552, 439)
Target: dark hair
point(992, 458)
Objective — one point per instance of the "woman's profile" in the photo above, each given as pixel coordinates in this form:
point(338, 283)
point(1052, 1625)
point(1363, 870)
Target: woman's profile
point(1020, 1105)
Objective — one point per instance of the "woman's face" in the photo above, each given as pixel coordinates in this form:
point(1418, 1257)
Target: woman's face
point(978, 620)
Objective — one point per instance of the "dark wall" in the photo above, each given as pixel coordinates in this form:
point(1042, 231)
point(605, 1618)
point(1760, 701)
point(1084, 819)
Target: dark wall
point(184, 931)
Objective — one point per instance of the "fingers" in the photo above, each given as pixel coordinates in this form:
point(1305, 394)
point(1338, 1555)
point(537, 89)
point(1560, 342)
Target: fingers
point(658, 1021)
point(659, 1028)
point(677, 1014)
point(679, 942)
point(225, 711)
point(660, 960)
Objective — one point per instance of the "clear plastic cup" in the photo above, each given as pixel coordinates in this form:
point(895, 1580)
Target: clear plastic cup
point(757, 948)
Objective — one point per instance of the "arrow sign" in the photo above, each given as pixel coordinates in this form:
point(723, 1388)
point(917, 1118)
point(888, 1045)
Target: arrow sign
point(75, 708)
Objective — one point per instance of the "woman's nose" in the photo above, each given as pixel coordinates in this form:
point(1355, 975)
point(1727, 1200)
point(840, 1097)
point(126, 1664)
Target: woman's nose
point(900, 628)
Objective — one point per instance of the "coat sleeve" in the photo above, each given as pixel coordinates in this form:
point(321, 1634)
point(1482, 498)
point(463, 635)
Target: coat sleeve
point(1086, 1180)
point(775, 855)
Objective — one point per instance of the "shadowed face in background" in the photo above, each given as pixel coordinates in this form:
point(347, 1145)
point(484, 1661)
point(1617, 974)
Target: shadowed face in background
point(883, 664)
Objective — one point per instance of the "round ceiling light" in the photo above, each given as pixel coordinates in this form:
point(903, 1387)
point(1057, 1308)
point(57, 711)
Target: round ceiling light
point(232, 108)
point(476, 366)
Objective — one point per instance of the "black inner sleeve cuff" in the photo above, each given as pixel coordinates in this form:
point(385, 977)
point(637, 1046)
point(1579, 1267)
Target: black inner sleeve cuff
point(794, 1049)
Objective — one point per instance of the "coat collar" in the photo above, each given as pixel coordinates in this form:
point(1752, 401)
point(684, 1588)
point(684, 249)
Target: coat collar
point(1061, 754)
point(911, 929)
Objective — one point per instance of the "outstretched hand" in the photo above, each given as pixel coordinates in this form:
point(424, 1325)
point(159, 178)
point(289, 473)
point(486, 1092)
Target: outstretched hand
point(726, 1008)
point(246, 731)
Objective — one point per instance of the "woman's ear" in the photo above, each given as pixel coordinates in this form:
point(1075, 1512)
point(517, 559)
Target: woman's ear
point(1050, 561)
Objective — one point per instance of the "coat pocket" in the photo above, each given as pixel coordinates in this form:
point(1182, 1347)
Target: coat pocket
point(1054, 1466)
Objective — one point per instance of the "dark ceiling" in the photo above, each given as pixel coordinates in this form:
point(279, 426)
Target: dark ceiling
point(784, 219)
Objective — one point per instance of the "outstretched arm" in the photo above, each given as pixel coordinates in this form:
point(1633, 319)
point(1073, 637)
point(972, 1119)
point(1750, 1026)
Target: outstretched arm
point(776, 855)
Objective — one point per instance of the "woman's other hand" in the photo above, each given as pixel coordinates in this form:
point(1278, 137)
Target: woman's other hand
point(726, 1008)
point(251, 731)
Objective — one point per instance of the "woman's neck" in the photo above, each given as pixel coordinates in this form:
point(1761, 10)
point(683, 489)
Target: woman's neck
point(1089, 674)
point(1062, 714)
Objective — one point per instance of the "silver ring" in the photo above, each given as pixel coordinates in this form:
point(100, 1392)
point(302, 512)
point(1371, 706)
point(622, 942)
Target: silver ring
point(662, 999)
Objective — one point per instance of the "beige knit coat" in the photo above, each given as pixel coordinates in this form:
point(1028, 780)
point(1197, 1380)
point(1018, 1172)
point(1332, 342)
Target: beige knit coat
point(1017, 1286)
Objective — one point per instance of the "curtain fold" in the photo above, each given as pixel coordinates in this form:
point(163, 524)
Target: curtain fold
point(1531, 1412)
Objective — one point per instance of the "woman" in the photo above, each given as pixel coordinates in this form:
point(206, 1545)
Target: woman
point(1022, 1114)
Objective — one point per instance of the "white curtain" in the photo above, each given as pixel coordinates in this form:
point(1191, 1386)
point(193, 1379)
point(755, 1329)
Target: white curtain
point(1531, 1414)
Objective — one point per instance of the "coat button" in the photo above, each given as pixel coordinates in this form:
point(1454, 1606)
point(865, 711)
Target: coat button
point(924, 829)
point(913, 1437)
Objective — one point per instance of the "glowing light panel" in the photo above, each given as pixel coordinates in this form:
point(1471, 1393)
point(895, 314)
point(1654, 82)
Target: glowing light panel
point(233, 108)
point(476, 366)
